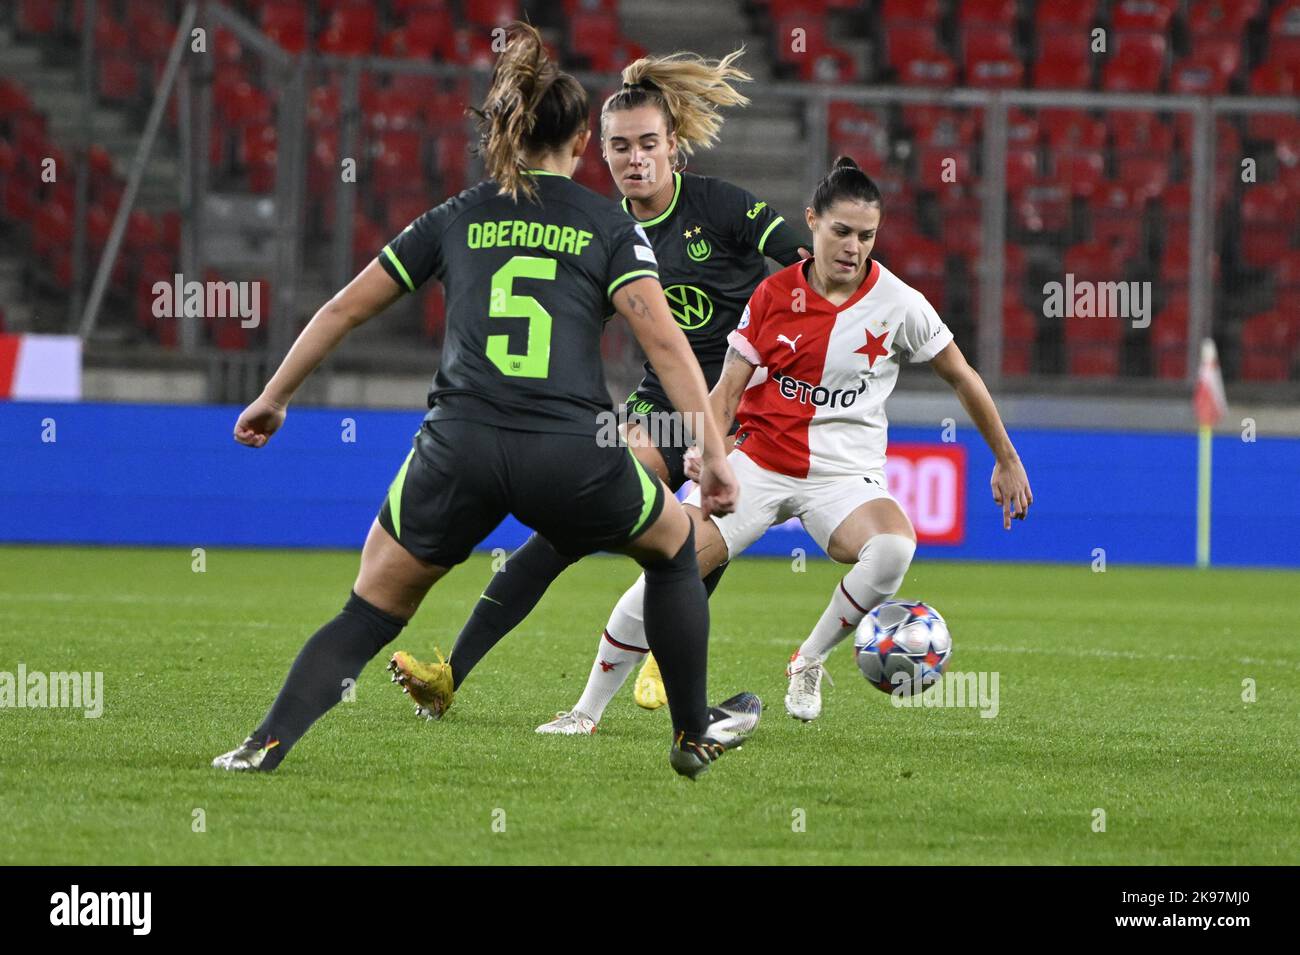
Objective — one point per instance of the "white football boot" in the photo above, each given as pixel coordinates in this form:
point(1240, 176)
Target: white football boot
point(569, 724)
point(803, 700)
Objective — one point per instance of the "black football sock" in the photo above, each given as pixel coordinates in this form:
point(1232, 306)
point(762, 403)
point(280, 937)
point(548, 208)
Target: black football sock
point(511, 595)
point(715, 575)
point(335, 653)
point(677, 630)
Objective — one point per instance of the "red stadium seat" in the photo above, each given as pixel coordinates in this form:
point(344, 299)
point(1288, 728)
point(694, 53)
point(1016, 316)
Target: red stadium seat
point(118, 79)
point(1019, 331)
point(8, 158)
point(921, 262)
point(1286, 274)
point(1070, 72)
point(999, 13)
point(894, 12)
point(1222, 51)
point(37, 17)
point(1081, 170)
point(1094, 261)
point(983, 42)
point(1146, 175)
point(1072, 129)
point(996, 73)
point(491, 13)
point(612, 59)
point(407, 7)
point(1272, 79)
point(1074, 17)
point(453, 161)
point(392, 108)
point(150, 32)
point(934, 70)
point(425, 34)
point(143, 232)
point(1153, 15)
point(351, 31)
point(1267, 224)
point(1221, 18)
point(1137, 63)
point(1268, 343)
point(1093, 359)
point(941, 125)
point(1169, 339)
point(1140, 132)
point(1284, 35)
point(472, 48)
point(1023, 129)
point(1198, 75)
point(398, 162)
point(859, 132)
point(1116, 219)
point(20, 203)
point(590, 32)
point(1041, 206)
point(285, 22)
point(241, 104)
point(1014, 266)
point(403, 209)
point(111, 35)
point(226, 46)
point(51, 230)
point(960, 226)
point(1022, 168)
point(911, 42)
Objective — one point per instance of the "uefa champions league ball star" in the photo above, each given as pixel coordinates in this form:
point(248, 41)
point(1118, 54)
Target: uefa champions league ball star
point(902, 647)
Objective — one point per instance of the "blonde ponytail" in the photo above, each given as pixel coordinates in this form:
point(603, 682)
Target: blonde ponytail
point(688, 88)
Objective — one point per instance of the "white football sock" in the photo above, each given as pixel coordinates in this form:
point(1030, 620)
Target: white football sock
point(622, 646)
point(875, 578)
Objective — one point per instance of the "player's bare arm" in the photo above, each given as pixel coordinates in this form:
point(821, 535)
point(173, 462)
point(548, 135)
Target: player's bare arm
point(642, 303)
point(725, 397)
point(1010, 483)
point(372, 291)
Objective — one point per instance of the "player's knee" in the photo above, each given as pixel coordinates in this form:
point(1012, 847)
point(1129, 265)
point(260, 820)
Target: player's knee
point(885, 559)
point(682, 562)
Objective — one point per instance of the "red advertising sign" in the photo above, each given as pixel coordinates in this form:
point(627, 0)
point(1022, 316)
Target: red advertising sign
point(929, 481)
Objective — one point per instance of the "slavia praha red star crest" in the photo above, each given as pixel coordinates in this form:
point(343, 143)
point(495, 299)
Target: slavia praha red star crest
point(874, 348)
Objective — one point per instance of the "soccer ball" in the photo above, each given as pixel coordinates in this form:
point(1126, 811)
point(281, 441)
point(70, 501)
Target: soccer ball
point(902, 647)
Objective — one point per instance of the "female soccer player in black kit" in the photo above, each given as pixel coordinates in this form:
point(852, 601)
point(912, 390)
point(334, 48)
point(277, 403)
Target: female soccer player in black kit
point(532, 264)
point(711, 239)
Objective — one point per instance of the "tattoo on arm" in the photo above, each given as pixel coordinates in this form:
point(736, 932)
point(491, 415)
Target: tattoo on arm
point(638, 306)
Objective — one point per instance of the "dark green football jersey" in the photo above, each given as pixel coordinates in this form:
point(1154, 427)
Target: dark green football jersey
point(528, 288)
point(712, 243)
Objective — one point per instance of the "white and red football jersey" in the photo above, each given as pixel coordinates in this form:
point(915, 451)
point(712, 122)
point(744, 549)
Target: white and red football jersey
point(821, 411)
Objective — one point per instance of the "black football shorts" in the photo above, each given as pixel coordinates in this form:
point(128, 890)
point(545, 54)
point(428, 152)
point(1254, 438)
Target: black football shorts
point(462, 478)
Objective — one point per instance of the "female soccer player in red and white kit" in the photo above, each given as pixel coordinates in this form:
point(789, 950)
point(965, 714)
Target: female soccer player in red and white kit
point(832, 333)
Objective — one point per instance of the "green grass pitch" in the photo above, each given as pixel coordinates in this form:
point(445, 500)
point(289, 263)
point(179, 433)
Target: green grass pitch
point(1120, 691)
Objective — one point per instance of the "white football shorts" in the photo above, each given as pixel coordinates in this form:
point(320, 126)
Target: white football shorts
point(768, 498)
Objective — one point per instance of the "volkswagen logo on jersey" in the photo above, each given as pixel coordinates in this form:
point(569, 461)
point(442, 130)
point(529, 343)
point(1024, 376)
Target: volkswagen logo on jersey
point(690, 306)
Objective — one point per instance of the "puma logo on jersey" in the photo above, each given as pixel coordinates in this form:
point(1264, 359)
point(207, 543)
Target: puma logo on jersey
point(782, 338)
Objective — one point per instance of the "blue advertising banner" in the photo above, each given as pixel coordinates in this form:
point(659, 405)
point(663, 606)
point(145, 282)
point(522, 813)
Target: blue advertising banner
point(173, 475)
